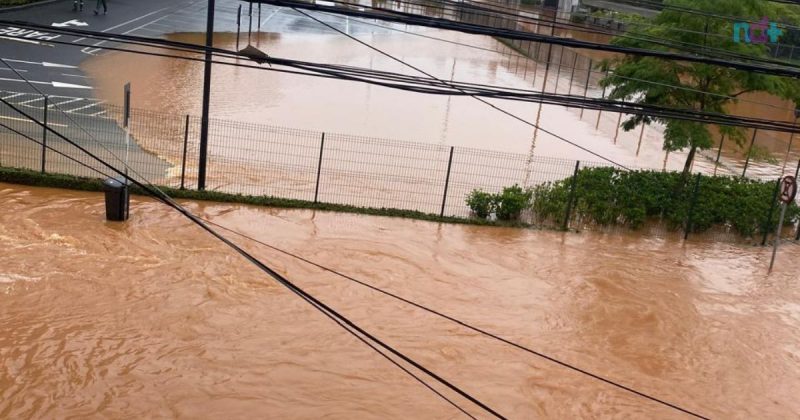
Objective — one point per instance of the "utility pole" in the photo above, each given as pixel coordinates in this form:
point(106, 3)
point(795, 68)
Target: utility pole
point(201, 170)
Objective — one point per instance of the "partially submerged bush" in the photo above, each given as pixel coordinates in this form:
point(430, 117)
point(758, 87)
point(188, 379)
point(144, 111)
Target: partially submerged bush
point(510, 203)
point(481, 203)
point(608, 196)
point(506, 205)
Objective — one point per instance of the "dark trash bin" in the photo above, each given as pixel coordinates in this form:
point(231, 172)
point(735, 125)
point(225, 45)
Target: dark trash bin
point(117, 200)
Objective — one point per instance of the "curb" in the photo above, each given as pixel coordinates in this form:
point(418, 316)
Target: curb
point(26, 6)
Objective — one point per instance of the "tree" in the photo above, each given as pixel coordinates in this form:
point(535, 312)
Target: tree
point(702, 87)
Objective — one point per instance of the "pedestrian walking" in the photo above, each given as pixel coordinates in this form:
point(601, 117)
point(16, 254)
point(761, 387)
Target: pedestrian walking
point(75, 5)
point(97, 7)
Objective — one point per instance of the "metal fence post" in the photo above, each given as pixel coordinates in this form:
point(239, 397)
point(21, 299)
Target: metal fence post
point(689, 221)
point(586, 86)
point(749, 152)
point(238, 25)
point(572, 75)
point(600, 112)
point(447, 181)
point(44, 136)
point(641, 135)
point(185, 147)
point(765, 226)
point(571, 200)
point(719, 152)
point(319, 167)
point(560, 66)
point(250, 24)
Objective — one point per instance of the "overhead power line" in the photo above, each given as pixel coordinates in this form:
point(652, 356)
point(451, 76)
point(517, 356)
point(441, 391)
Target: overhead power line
point(513, 53)
point(161, 196)
point(426, 85)
point(505, 15)
point(464, 324)
point(706, 13)
point(434, 22)
point(323, 308)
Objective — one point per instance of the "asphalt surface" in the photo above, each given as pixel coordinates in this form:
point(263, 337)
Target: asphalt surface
point(54, 68)
point(38, 63)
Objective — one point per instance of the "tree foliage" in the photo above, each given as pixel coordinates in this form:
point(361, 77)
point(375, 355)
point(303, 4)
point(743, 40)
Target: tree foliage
point(702, 87)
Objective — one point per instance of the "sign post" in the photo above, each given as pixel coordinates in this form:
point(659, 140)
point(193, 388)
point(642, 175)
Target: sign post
point(788, 190)
point(126, 115)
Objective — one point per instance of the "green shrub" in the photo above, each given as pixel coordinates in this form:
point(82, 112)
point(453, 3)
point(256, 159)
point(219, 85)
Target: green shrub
point(510, 203)
point(608, 196)
point(481, 203)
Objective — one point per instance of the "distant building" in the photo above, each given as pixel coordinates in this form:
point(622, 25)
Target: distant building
point(619, 6)
point(563, 5)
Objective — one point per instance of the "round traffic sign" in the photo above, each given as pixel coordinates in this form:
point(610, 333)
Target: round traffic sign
point(788, 189)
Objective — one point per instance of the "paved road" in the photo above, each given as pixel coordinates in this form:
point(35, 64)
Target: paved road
point(51, 64)
point(54, 68)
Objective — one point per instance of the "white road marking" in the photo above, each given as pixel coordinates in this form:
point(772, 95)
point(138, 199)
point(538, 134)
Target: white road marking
point(270, 16)
point(94, 50)
point(25, 41)
point(97, 114)
point(73, 22)
point(19, 70)
point(125, 23)
point(30, 101)
point(13, 96)
point(29, 121)
point(20, 80)
point(61, 66)
point(15, 32)
point(75, 75)
point(69, 85)
point(84, 107)
point(68, 102)
point(53, 84)
point(41, 63)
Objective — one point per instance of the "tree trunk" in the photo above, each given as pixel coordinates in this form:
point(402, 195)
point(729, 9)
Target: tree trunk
point(689, 160)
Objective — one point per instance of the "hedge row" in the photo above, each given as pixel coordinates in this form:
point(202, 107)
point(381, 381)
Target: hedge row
point(608, 196)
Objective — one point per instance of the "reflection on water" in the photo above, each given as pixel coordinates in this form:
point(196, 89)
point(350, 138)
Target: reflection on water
point(153, 318)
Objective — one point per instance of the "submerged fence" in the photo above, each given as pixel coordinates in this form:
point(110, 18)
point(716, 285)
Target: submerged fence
point(312, 166)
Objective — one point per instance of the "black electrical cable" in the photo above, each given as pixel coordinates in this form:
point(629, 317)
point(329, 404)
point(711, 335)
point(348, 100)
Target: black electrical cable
point(316, 303)
point(705, 13)
point(414, 376)
point(444, 24)
point(400, 17)
point(473, 96)
point(402, 82)
point(460, 7)
point(459, 322)
point(392, 295)
point(48, 147)
point(583, 103)
point(515, 17)
point(526, 57)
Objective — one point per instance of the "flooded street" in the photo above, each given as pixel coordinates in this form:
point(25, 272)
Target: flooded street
point(264, 97)
point(154, 318)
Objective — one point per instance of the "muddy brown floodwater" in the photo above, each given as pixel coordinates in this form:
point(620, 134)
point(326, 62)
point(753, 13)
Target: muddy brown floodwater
point(153, 318)
point(286, 100)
